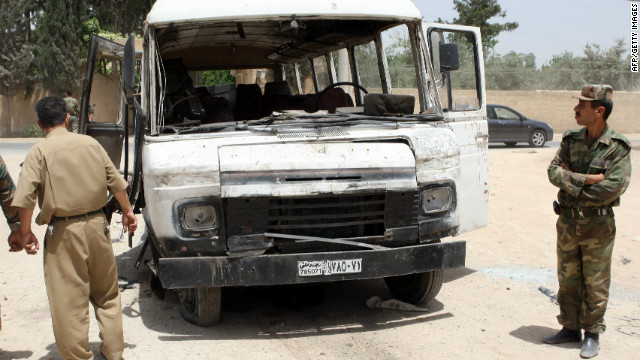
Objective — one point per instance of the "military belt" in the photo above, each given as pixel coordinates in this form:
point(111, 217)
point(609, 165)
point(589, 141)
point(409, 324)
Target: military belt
point(578, 213)
point(62, 218)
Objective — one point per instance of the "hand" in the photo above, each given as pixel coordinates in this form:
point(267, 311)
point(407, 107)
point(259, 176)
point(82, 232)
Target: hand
point(30, 243)
point(15, 241)
point(129, 222)
point(593, 179)
point(565, 166)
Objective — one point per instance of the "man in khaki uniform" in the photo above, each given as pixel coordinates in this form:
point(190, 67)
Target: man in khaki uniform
point(69, 175)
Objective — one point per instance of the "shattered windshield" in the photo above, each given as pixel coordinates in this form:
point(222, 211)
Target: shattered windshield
point(282, 122)
point(340, 79)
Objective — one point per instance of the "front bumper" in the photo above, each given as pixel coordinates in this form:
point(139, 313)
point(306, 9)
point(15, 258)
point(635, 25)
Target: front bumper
point(280, 269)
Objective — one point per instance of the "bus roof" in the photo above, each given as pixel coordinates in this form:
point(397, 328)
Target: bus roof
point(166, 12)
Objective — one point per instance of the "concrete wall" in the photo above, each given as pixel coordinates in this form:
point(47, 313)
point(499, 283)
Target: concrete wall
point(554, 107)
point(104, 93)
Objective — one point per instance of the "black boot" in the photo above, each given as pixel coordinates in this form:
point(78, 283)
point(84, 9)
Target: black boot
point(590, 345)
point(563, 336)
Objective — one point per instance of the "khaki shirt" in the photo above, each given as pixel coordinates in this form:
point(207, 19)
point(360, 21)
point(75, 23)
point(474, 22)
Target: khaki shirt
point(69, 174)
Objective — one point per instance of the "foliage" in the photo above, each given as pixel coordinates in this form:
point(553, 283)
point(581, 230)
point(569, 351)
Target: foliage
point(59, 44)
point(608, 66)
point(478, 13)
point(217, 77)
point(465, 77)
point(16, 57)
point(518, 71)
point(368, 65)
point(60, 49)
point(121, 16)
point(33, 131)
point(603, 66)
point(511, 71)
point(304, 69)
point(563, 71)
point(91, 26)
point(401, 63)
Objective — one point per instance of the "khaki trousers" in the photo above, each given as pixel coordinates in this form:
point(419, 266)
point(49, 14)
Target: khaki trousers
point(79, 267)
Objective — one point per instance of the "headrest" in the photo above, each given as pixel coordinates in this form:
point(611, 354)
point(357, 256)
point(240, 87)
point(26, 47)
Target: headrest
point(277, 88)
point(388, 104)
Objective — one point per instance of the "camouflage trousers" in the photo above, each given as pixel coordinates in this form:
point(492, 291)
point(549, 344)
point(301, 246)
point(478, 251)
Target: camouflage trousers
point(73, 124)
point(584, 250)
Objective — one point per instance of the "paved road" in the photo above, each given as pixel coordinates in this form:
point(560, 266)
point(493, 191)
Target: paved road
point(14, 148)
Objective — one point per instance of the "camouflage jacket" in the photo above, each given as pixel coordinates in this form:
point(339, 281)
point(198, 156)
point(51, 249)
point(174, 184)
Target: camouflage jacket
point(608, 155)
point(7, 188)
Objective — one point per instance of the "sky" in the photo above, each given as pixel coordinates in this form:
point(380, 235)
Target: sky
point(549, 27)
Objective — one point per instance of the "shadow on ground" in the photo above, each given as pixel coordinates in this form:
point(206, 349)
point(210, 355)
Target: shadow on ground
point(534, 334)
point(10, 355)
point(455, 274)
point(53, 354)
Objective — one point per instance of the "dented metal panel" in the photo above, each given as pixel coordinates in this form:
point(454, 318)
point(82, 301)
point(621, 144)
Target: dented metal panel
point(297, 165)
point(314, 168)
point(437, 153)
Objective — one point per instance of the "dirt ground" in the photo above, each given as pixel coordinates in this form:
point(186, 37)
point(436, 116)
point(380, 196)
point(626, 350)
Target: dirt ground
point(492, 309)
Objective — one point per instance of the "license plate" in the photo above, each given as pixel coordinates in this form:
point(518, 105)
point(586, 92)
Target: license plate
point(329, 267)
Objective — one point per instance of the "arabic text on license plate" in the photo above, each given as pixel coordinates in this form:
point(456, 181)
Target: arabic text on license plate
point(329, 267)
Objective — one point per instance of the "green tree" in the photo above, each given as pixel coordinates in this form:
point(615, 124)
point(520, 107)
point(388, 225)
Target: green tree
point(568, 72)
point(512, 71)
point(478, 13)
point(89, 27)
point(368, 65)
point(465, 76)
point(562, 72)
point(121, 16)
point(59, 43)
point(607, 66)
point(400, 59)
point(217, 77)
point(16, 57)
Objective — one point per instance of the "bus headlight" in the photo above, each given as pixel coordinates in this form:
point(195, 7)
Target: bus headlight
point(199, 218)
point(435, 200)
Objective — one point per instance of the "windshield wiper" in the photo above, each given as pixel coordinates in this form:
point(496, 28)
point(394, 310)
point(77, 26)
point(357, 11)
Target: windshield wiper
point(271, 123)
point(202, 128)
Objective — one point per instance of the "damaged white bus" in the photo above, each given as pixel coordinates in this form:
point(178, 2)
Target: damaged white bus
point(333, 155)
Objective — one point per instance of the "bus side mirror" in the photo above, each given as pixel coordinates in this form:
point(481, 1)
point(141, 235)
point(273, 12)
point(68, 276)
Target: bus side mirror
point(129, 64)
point(449, 58)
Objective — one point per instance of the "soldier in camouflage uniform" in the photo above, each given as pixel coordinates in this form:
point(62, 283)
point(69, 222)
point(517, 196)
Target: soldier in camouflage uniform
point(7, 188)
point(592, 169)
point(73, 108)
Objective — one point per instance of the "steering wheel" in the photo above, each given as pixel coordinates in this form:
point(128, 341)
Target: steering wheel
point(321, 94)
